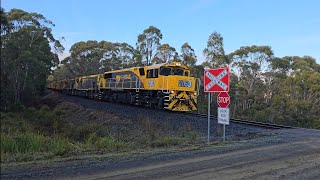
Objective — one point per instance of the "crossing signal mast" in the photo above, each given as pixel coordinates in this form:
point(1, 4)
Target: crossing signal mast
point(218, 80)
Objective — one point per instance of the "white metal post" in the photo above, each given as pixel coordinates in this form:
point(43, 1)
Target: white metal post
point(209, 99)
point(224, 132)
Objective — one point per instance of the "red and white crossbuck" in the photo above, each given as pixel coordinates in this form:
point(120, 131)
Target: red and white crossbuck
point(216, 80)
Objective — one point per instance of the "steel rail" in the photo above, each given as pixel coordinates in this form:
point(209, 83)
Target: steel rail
point(240, 121)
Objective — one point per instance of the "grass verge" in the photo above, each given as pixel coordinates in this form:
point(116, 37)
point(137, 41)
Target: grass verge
point(67, 129)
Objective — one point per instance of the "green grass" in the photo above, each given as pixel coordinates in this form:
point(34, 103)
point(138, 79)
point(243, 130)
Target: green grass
point(33, 133)
point(107, 143)
point(167, 141)
point(34, 143)
point(43, 133)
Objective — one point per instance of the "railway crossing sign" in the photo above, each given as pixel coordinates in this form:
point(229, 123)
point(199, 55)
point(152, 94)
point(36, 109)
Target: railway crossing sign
point(223, 99)
point(216, 80)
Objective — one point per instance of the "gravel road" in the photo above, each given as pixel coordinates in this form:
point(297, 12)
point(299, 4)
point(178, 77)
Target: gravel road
point(295, 160)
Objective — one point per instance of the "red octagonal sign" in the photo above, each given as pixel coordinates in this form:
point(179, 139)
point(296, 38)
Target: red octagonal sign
point(223, 99)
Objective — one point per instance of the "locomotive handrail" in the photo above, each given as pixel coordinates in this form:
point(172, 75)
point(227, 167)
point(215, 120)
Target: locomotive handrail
point(167, 85)
point(198, 87)
point(130, 84)
point(165, 90)
point(162, 83)
point(137, 82)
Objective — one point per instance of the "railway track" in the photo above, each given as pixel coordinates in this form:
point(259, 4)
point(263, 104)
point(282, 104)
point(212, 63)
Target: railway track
point(238, 121)
point(241, 121)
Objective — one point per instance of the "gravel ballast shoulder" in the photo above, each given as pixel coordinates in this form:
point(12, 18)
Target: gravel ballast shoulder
point(174, 121)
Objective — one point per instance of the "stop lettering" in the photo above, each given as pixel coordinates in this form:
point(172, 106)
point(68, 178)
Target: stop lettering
point(223, 99)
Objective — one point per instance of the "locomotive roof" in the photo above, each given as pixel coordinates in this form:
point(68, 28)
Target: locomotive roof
point(175, 64)
point(155, 66)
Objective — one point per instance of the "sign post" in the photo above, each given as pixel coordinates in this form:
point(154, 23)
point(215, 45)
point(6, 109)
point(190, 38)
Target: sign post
point(209, 99)
point(223, 118)
point(223, 100)
point(216, 80)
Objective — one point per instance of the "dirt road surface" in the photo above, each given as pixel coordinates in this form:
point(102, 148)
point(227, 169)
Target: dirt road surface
point(296, 155)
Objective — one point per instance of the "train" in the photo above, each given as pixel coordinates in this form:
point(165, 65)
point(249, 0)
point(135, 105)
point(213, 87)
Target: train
point(167, 86)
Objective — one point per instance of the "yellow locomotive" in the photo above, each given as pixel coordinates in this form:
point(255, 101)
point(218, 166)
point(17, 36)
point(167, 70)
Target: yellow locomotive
point(165, 86)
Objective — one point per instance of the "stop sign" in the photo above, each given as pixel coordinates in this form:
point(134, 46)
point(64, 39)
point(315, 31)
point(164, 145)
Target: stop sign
point(223, 99)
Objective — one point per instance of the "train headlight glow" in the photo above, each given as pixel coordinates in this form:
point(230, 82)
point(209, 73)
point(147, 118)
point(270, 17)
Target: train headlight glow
point(172, 92)
point(195, 93)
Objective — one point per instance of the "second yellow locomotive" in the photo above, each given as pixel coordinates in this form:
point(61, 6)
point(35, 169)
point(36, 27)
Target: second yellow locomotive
point(165, 86)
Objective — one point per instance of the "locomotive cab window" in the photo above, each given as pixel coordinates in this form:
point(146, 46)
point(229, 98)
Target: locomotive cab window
point(165, 71)
point(141, 70)
point(152, 73)
point(186, 73)
point(107, 76)
point(178, 71)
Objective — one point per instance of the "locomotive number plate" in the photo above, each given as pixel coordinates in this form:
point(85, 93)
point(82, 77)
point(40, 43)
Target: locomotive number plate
point(151, 83)
point(182, 83)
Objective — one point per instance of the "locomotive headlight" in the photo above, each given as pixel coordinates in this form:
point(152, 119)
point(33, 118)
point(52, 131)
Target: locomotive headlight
point(195, 93)
point(172, 92)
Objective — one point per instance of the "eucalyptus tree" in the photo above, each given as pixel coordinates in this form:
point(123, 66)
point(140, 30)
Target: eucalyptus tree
point(28, 52)
point(188, 55)
point(136, 59)
point(94, 57)
point(148, 42)
point(296, 95)
point(214, 52)
point(165, 53)
point(84, 59)
point(125, 55)
point(255, 59)
point(251, 64)
point(62, 72)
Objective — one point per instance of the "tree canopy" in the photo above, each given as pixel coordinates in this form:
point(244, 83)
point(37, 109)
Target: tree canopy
point(148, 42)
point(214, 52)
point(28, 52)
